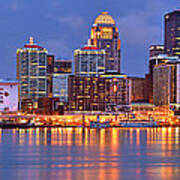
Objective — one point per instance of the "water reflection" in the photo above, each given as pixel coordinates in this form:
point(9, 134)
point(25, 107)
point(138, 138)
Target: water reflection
point(77, 153)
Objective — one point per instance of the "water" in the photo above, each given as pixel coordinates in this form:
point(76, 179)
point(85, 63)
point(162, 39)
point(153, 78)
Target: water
point(75, 153)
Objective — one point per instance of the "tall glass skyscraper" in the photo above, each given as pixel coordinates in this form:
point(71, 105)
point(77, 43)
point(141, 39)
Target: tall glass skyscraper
point(32, 72)
point(172, 33)
point(105, 35)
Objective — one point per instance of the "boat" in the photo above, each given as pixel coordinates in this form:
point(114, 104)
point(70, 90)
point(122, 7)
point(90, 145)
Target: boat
point(98, 124)
point(138, 123)
point(13, 124)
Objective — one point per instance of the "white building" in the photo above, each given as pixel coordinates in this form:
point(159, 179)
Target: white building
point(8, 95)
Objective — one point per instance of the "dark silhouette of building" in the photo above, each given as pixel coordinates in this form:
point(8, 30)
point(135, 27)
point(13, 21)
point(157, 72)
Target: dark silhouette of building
point(172, 33)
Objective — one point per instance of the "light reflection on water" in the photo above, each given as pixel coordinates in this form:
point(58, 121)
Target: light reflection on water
point(76, 153)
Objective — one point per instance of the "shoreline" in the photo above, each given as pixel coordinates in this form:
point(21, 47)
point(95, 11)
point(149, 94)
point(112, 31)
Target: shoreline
point(58, 126)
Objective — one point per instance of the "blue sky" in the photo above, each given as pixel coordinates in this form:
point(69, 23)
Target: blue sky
point(64, 25)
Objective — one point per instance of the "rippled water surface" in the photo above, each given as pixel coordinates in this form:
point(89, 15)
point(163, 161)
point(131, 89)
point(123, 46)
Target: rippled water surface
point(76, 153)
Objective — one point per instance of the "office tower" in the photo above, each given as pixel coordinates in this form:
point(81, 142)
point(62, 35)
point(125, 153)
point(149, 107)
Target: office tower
point(62, 70)
point(104, 93)
point(172, 33)
point(166, 86)
point(154, 52)
point(32, 72)
point(105, 35)
point(60, 86)
point(89, 61)
point(117, 92)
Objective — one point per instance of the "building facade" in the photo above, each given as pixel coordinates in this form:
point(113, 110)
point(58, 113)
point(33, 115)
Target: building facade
point(60, 86)
point(32, 72)
point(63, 66)
point(104, 93)
point(139, 90)
point(8, 95)
point(155, 59)
point(89, 61)
point(172, 33)
point(166, 87)
point(105, 35)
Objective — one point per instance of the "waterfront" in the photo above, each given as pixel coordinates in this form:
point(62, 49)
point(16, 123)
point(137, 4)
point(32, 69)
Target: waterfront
point(77, 153)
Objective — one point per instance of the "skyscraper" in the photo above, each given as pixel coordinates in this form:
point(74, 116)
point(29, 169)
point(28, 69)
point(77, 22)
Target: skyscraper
point(105, 35)
point(32, 72)
point(89, 61)
point(172, 33)
point(166, 87)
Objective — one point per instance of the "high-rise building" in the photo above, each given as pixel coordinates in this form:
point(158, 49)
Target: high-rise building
point(166, 83)
point(60, 86)
point(104, 93)
point(105, 35)
point(156, 56)
point(32, 72)
point(62, 70)
point(89, 61)
point(172, 33)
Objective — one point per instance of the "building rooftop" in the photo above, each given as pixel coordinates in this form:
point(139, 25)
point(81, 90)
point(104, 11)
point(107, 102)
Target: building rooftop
point(104, 18)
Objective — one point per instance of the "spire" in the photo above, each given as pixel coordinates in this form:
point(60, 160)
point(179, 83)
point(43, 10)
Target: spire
point(31, 40)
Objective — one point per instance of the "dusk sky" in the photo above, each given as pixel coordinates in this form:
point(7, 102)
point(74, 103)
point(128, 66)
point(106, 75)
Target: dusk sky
point(64, 25)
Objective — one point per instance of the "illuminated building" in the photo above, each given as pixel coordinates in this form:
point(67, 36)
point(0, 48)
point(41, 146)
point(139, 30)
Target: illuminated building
point(156, 56)
point(117, 91)
point(172, 33)
point(60, 86)
point(105, 35)
point(62, 70)
point(139, 89)
point(8, 95)
point(89, 61)
point(32, 72)
point(63, 66)
point(104, 93)
point(166, 83)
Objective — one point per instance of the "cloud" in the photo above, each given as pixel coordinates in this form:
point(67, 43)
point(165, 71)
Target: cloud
point(73, 21)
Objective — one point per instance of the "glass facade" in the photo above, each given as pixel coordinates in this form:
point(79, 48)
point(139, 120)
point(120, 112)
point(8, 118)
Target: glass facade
point(172, 33)
point(32, 71)
point(60, 86)
point(89, 61)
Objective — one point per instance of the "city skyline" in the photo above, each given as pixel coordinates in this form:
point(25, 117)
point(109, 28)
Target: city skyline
point(134, 48)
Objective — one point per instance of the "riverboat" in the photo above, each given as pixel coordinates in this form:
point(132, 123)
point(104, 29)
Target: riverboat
point(138, 123)
point(98, 124)
point(12, 124)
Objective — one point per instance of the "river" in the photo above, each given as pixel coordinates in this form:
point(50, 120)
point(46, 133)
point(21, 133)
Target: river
point(90, 154)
